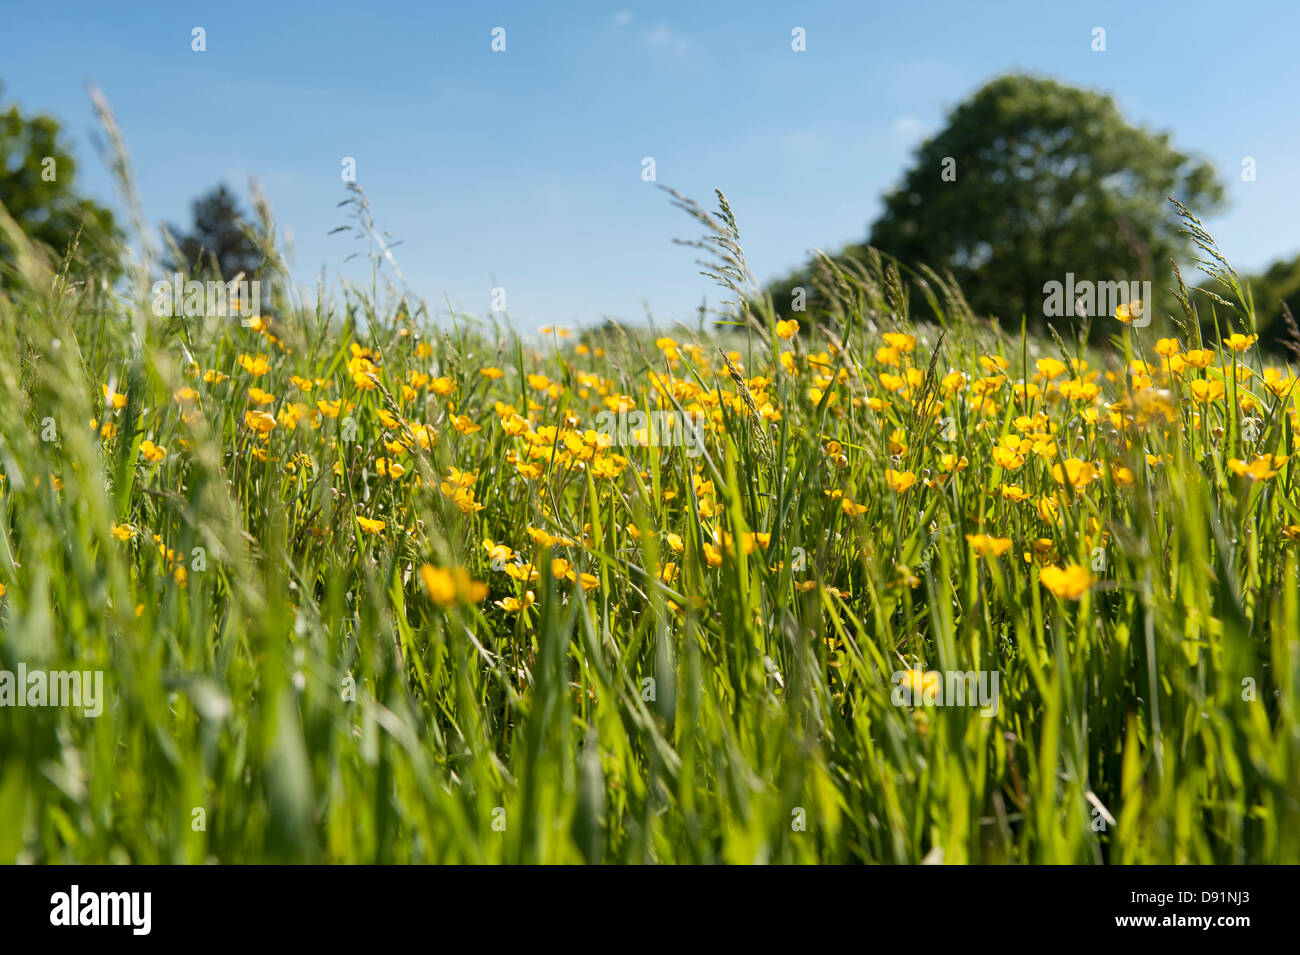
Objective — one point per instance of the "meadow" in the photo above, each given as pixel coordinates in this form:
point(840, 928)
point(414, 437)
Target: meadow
point(371, 587)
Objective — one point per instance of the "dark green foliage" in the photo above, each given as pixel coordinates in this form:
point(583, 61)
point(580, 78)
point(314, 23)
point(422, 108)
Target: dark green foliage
point(1042, 179)
point(38, 188)
point(219, 238)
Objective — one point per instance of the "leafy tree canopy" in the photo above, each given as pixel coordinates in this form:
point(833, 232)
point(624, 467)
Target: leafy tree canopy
point(38, 189)
point(1032, 179)
point(219, 238)
point(1277, 284)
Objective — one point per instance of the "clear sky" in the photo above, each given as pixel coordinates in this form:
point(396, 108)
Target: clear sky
point(523, 168)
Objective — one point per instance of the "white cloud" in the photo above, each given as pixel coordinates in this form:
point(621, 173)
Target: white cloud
point(622, 18)
point(908, 127)
point(665, 37)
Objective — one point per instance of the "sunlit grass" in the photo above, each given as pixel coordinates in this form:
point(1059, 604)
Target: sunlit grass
point(370, 588)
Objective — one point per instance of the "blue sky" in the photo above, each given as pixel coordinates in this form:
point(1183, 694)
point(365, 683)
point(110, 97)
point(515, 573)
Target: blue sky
point(522, 169)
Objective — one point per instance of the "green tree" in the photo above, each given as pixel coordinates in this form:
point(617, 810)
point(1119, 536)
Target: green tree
point(1279, 283)
point(219, 239)
point(1032, 179)
point(38, 189)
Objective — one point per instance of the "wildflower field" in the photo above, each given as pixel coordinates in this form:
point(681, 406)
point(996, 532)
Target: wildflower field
point(371, 587)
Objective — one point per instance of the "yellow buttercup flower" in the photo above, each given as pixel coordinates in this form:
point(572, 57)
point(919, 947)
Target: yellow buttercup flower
point(1069, 583)
point(448, 586)
point(899, 481)
point(498, 552)
point(514, 604)
point(113, 399)
point(255, 366)
point(1206, 391)
point(1050, 368)
point(1007, 459)
point(987, 546)
point(1014, 493)
point(951, 462)
point(465, 425)
point(919, 684)
point(522, 572)
point(543, 538)
point(259, 421)
point(1261, 469)
point(1127, 313)
point(1077, 474)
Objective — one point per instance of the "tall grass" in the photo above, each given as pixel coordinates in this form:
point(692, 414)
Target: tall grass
point(285, 684)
